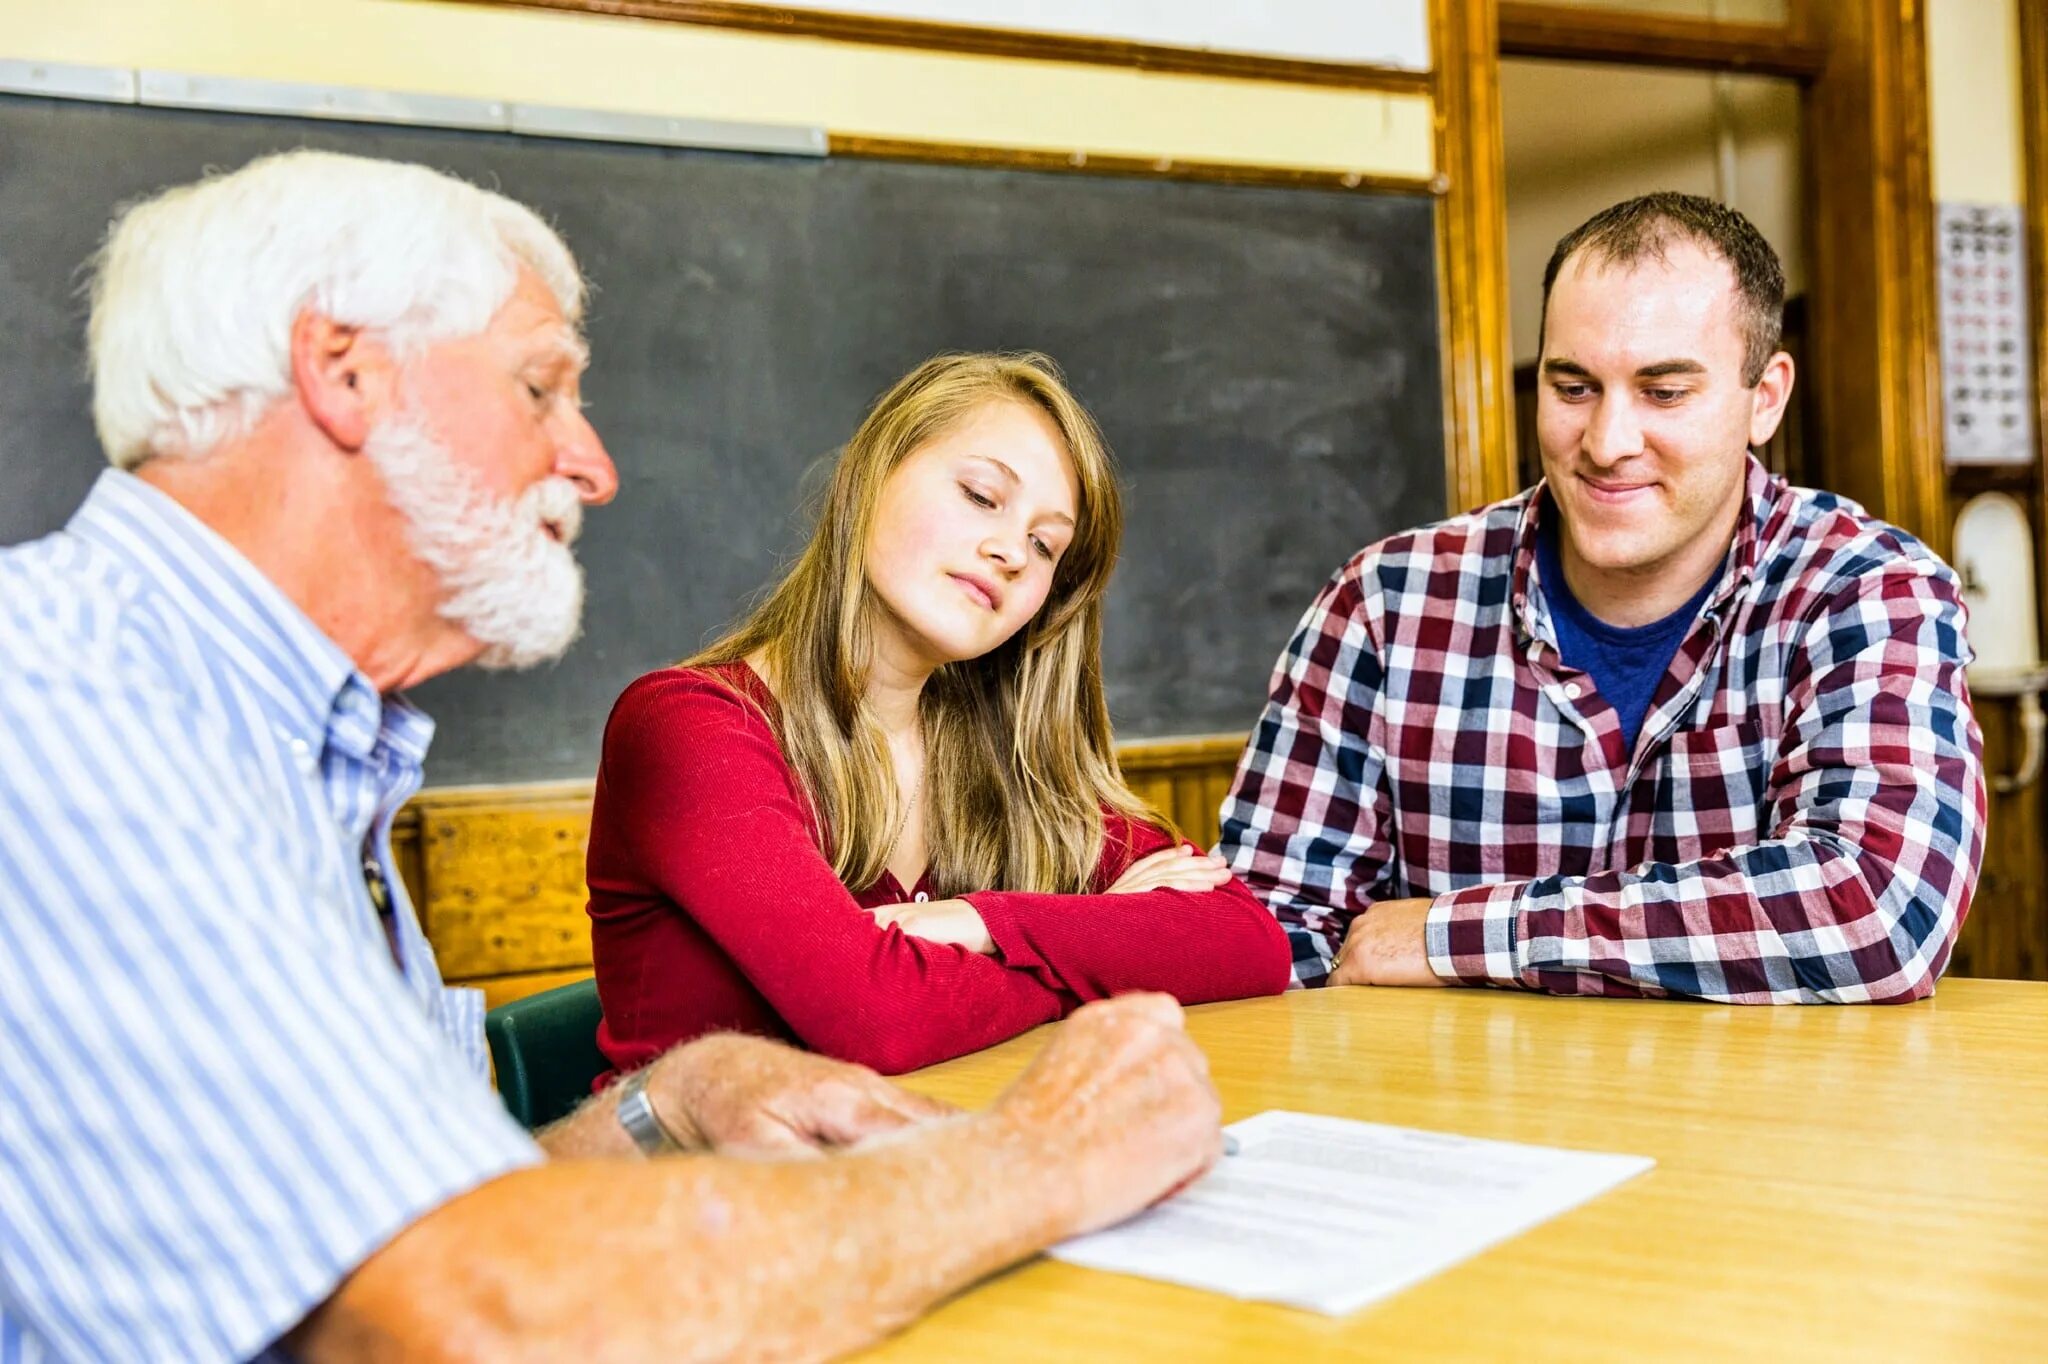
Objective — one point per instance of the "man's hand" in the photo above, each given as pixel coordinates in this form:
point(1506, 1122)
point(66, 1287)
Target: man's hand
point(748, 1096)
point(1385, 946)
point(946, 921)
point(1120, 1103)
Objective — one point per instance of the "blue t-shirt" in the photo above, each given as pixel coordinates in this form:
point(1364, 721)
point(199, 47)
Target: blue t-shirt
point(1625, 662)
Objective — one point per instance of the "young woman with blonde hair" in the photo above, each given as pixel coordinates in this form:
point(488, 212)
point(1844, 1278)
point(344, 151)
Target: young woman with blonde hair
point(883, 817)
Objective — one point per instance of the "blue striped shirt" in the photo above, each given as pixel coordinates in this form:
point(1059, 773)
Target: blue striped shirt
point(218, 1093)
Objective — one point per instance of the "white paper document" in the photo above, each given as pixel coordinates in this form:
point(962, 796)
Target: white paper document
point(1330, 1214)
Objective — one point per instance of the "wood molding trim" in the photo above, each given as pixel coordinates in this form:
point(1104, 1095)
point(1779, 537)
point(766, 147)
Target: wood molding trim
point(1472, 256)
point(1168, 168)
point(1149, 757)
point(496, 872)
point(2033, 23)
point(1576, 33)
point(1877, 371)
point(991, 42)
point(1185, 779)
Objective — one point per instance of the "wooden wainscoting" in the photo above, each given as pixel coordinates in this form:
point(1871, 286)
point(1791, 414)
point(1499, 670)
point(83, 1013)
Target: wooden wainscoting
point(497, 871)
point(1184, 779)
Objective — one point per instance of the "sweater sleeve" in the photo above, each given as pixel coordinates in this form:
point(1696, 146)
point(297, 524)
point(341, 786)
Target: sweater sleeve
point(695, 788)
point(1197, 946)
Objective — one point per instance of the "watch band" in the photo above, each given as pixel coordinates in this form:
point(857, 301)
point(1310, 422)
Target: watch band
point(642, 1123)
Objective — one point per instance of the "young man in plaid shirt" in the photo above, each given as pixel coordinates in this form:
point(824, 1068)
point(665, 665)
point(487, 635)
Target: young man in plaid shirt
point(1662, 725)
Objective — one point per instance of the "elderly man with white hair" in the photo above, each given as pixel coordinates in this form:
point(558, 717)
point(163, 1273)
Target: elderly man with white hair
point(239, 1113)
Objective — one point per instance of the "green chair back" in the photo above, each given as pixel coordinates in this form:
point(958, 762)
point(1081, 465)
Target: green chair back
point(545, 1049)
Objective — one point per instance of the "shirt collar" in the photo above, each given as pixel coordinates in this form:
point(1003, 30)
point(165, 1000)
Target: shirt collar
point(1761, 491)
point(308, 686)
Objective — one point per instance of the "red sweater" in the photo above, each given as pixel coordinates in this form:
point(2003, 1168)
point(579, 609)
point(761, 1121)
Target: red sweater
point(712, 908)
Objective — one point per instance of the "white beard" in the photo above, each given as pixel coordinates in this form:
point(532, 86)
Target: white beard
point(512, 587)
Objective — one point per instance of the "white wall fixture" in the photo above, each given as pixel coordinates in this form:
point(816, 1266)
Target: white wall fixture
point(1994, 552)
point(1987, 378)
point(1364, 32)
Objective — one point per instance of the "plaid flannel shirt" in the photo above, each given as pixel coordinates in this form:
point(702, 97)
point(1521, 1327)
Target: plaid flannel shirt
point(1801, 819)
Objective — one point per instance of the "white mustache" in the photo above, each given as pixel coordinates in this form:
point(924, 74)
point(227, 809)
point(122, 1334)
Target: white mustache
point(553, 500)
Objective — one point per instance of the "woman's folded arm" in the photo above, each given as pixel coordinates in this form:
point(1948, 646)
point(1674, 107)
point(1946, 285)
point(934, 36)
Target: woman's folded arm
point(1197, 945)
point(695, 786)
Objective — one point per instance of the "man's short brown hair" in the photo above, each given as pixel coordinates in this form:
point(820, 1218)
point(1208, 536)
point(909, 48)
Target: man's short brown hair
point(1643, 228)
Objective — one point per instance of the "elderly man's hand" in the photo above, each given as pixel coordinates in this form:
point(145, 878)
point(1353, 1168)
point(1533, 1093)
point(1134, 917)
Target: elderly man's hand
point(1120, 1104)
point(742, 1095)
point(1385, 946)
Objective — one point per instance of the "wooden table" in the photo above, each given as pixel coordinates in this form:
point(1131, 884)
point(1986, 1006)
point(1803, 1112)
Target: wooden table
point(1858, 1183)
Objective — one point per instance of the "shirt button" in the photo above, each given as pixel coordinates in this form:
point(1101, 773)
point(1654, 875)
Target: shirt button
point(301, 748)
point(921, 897)
point(1571, 691)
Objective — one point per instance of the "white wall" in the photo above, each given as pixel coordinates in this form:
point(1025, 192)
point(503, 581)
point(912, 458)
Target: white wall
point(1973, 70)
point(1380, 32)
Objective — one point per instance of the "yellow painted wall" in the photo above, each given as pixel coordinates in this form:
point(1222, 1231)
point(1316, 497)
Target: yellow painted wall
point(682, 70)
point(1973, 61)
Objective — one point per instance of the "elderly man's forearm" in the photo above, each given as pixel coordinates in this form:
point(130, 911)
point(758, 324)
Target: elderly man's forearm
point(703, 1258)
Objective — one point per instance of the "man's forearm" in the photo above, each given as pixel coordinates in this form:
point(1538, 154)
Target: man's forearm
point(592, 1132)
point(703, 1258)
point(1766, 906)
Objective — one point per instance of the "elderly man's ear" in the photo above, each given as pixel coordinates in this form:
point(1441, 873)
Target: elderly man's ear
point(346, 379)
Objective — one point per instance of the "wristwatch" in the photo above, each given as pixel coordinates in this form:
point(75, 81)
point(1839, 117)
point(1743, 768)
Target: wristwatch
point(642, 1123)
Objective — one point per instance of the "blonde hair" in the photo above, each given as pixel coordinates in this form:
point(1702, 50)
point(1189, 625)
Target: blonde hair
point(1019, 761)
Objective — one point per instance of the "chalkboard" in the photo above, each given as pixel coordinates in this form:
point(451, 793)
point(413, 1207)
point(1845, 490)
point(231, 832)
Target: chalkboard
point(1264, 362)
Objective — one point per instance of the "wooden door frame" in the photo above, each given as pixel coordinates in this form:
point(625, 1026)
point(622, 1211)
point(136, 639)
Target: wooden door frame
point(1472, 255)
point(2033, 25)
point(1877, 354)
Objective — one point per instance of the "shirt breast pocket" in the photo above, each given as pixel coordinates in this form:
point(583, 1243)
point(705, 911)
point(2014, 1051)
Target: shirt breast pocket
point(1714, 788)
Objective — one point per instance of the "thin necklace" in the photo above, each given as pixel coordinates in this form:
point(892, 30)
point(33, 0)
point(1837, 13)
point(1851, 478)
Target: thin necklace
point(903, 816)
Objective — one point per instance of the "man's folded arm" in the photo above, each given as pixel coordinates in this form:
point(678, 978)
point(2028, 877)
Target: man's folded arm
point(1876, 834)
